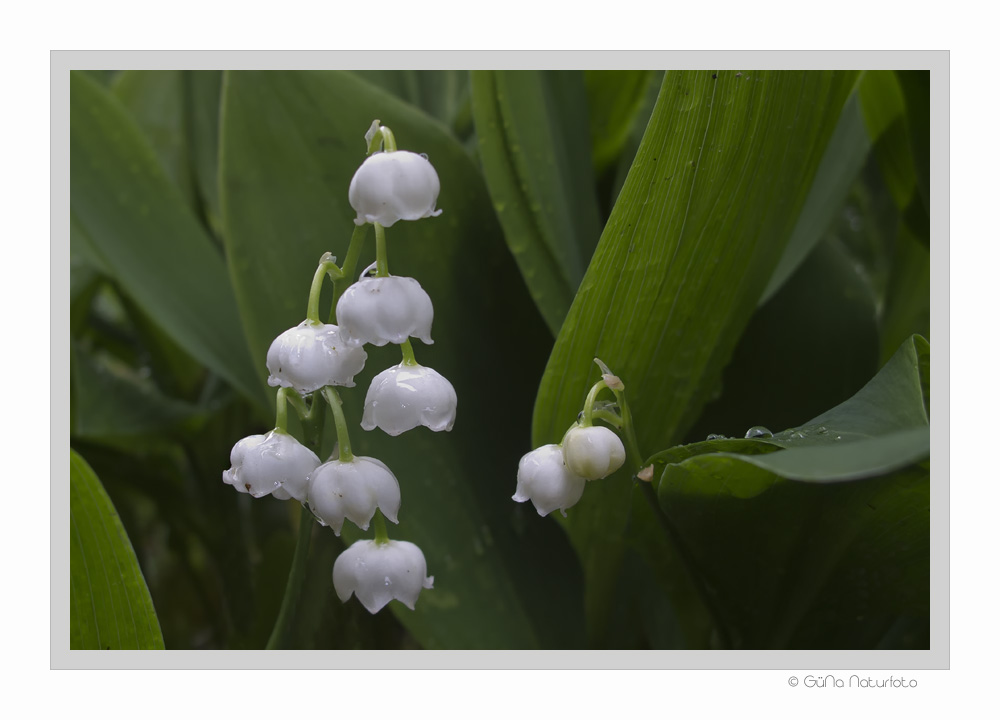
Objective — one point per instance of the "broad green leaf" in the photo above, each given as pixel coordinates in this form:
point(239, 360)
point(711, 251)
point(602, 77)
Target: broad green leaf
point(634, 139)
point(291, 141)
point(908, 295)
point(916, 88)
point(150, 242)
point(110, 606)
point(884, 106)
point(614, 99)
point(710, 202)
point(833, 559)
point(439, 93)
point(803, 565)
point(807, 349)
point(156, 100)
point(204, 88)
point(535, 152)
point(843, 160)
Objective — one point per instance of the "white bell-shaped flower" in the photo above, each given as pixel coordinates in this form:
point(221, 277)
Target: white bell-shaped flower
point(543, 478)
point(593, 452)
point(264, 463)
point(405, 396)
point(391, 186)
point(380, 310)
point(379, 572)
point(313, 355)
point(353, 490)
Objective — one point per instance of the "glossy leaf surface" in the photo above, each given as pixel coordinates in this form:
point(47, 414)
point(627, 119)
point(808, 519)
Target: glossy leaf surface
point(110, 606)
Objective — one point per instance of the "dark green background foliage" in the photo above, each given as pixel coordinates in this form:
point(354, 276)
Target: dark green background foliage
point(742, 248)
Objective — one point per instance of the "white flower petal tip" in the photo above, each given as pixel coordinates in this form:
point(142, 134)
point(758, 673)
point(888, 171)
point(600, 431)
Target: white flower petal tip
point(406, 396)
point(381, 310)
point(377, 573)
point(312, 355)
point(593, 452)
point(543, 478)
point(353, 490)
point(262, 464)
point(391, 186)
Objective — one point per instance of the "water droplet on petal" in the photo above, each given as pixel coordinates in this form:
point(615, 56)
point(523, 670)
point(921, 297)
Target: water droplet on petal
point(713, 436)
point(758, 431)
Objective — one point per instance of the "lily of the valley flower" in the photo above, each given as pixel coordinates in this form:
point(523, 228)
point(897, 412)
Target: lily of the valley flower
point(406, 396)
point(353, 490)
point(543, 478)
point(593, 452)
point(264, 463)
point(379, 572)
point(313, 355)
point(380, 310)
point(391, 186)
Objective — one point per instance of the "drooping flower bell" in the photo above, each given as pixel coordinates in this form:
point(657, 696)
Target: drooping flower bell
point(379, 572)
point(312, 355)
point(380, 310)
point(395, 185)
point(264, 463)
point(353, 490)
point(593, 452)
point(406, 396)
point(543, 478)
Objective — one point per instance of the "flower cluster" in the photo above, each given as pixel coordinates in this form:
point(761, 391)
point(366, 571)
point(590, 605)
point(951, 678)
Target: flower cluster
point(554, 476)
point(309, 361)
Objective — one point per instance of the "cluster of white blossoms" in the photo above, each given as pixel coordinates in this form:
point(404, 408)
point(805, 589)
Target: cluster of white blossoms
point(309, 361)
point(554, 476)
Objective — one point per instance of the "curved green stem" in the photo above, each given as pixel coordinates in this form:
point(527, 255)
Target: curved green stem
point(381, 258)
point(388, 139)
point(382, 137)
point(588, 405)
point(381, 536)
point(350, 267)
point(312, 310)
point(408, 357)
point(281, 411)
point(293, 589)
point(609, 417)
point(343, 438)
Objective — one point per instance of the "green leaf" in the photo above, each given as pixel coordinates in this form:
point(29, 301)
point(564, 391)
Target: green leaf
point(842, 162)
point(810, 347)
point(110, 606)
point(916, 88)
point(803, 565)
point(156, 100)
point(888, 119)
point(706, 211)
point(614, 99)
point(535, 152)
point(204, 88)
point(439, 93)
point(291, 141)
point(148, 239)
point(822, 540)
point(908, 296)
